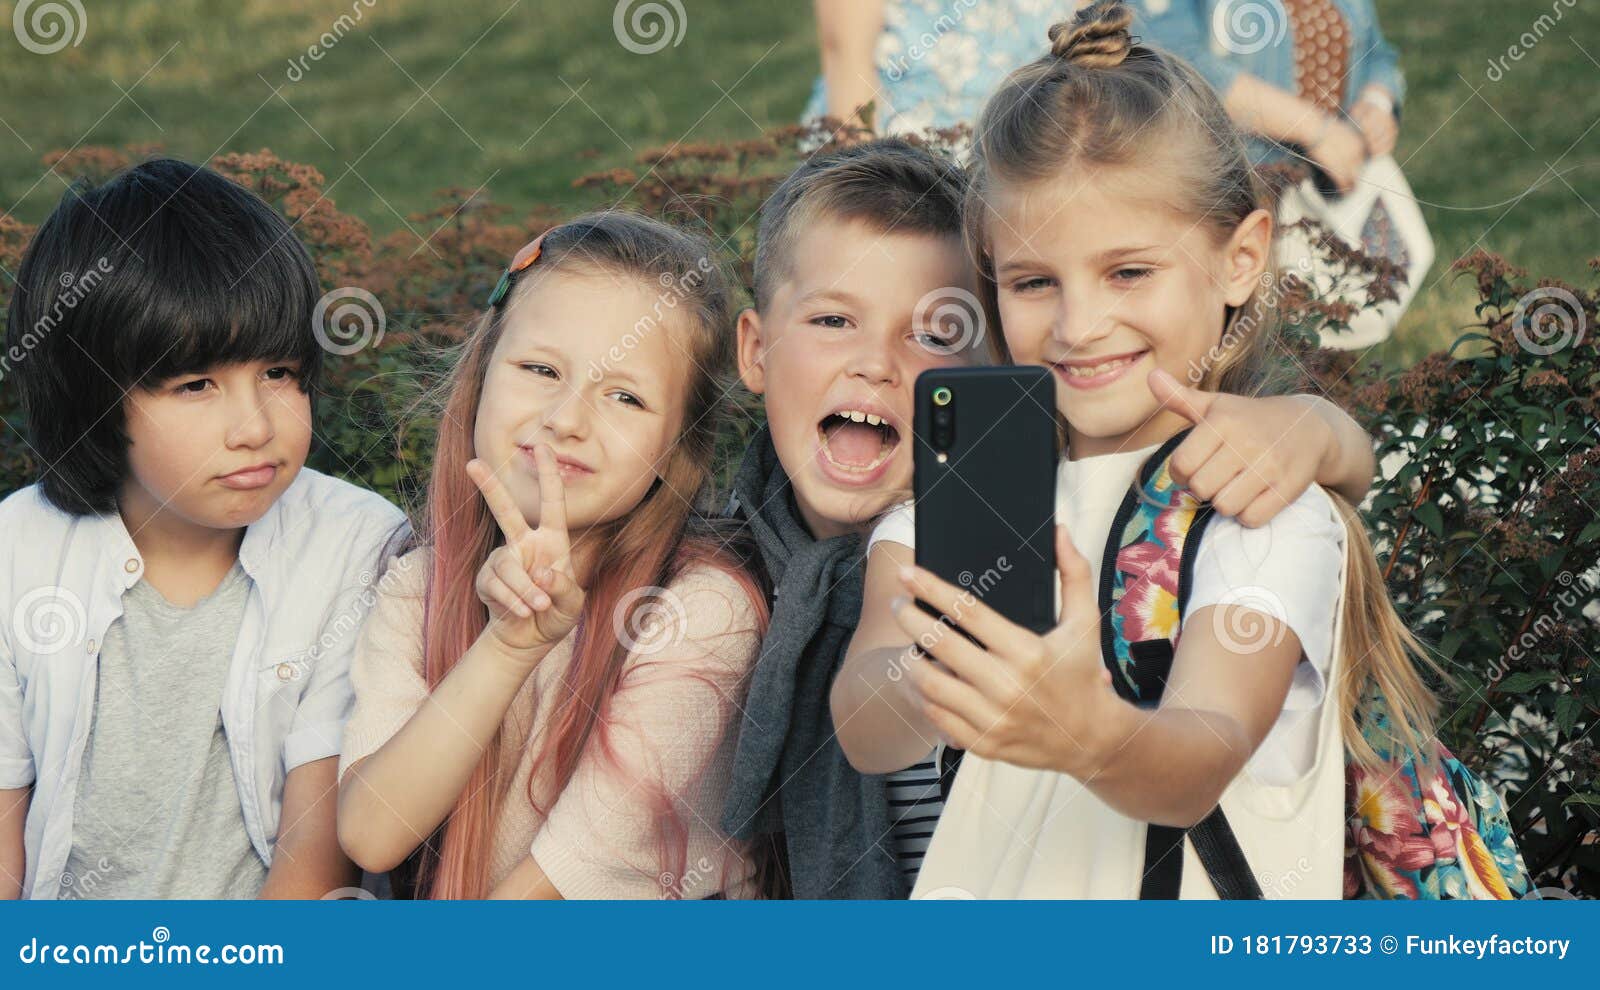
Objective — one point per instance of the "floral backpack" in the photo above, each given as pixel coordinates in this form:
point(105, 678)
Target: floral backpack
point(1438, 834)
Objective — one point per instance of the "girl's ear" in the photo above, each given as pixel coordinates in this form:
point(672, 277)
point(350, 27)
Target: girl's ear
point(1249, 253)
point(752, 352)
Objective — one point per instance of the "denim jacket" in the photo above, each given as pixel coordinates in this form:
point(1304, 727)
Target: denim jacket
point(1224, 38)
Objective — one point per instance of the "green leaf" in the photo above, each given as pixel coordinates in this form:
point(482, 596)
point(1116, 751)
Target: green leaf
point(1428, 514)
point(1524, 680)
point(1568, 709)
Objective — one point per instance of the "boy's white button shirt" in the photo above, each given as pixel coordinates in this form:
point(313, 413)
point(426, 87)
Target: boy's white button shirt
point(311, 559)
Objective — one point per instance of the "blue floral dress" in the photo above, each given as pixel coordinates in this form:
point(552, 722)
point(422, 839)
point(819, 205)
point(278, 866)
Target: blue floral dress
point(939, 60)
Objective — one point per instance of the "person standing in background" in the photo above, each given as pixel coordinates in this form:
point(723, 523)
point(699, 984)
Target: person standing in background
point(1301, 77)
point(921, 63)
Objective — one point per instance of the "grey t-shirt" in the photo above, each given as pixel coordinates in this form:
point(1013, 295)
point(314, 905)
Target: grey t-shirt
point(157, 811)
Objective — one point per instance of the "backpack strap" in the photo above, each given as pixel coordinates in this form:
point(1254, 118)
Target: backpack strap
point(1144, 589)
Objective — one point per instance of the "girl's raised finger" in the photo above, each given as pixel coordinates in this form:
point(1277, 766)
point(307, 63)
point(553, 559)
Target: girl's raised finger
point(506, 514)
point(552, 493)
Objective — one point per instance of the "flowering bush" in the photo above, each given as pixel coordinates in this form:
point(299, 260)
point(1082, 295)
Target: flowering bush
point(1486, 522)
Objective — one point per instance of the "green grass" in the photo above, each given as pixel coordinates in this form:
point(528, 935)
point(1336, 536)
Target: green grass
point(503, 115)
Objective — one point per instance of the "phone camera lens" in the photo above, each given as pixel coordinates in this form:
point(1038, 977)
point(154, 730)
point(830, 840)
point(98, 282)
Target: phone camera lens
point(941, 396)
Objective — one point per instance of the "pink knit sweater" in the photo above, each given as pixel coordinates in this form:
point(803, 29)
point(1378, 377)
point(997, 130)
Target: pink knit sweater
point(668, 728)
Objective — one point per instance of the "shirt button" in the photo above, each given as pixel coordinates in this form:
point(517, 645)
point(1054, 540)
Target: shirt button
point(131, 565)
point(91, 646)
point(285, 671)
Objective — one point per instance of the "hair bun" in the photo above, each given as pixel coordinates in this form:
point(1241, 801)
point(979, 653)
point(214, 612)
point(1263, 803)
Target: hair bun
point(1096, 37)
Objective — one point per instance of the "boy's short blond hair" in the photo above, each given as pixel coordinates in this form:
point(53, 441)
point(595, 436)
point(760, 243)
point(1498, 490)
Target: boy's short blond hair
point(892, 185)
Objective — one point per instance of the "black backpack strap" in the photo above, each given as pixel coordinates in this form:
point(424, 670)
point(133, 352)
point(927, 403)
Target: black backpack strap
point(1214, 841)
point(1219, 852)
point(1163, 863)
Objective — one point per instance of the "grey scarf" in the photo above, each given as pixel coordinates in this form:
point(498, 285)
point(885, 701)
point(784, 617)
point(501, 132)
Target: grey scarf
point(789, 773)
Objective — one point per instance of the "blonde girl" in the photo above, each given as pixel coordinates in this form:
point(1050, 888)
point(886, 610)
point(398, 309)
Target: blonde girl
point(1125, 244)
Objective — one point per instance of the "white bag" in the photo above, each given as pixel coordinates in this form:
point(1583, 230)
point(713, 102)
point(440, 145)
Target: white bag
point(1379, 216)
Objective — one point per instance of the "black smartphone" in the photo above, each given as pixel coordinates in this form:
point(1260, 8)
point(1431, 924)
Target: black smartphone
point(985, 479)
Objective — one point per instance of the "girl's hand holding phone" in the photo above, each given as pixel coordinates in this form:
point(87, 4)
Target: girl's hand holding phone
point(1041, 701)
point(527, 583)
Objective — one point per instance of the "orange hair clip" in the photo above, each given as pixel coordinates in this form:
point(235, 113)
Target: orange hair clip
point(525, 257)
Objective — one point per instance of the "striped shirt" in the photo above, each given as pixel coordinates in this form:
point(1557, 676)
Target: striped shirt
point(915, 803)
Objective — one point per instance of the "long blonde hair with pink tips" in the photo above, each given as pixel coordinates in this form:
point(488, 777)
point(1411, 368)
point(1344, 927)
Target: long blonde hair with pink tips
point(662, 537)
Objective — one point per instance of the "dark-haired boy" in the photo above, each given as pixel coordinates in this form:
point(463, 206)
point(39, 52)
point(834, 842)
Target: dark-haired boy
point(180, 594)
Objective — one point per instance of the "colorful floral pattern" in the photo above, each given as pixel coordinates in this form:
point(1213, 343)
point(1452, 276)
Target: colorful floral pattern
point(1436, 832)
point(1415, 832)
point(1144, 587)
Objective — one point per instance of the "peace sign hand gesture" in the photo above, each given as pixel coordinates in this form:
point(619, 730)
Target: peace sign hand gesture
point(527, 583)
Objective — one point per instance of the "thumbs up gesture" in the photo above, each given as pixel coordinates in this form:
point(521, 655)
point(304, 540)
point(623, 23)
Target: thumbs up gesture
point(1249, 457)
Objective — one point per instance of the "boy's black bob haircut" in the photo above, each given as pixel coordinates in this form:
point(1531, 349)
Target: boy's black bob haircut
point(167, 269)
